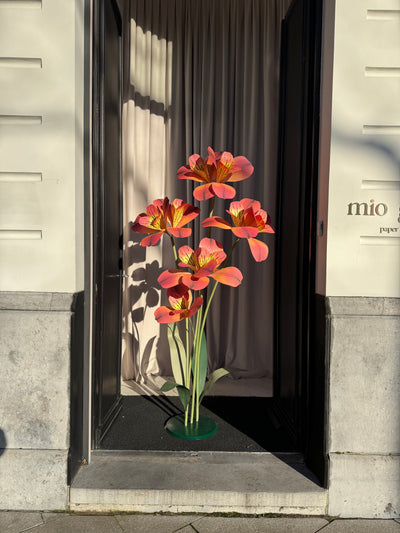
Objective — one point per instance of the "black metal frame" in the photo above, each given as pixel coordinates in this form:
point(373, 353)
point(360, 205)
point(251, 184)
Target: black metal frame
point(99, 427)
point(309, 432)
point(80, 371)
point(308, 427)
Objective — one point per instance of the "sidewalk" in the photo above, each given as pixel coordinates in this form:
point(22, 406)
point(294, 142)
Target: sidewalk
point(36, 522)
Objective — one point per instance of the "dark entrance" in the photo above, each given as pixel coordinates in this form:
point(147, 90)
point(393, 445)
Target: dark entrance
point(298, 364)
point(296, 360)
point(107, 189)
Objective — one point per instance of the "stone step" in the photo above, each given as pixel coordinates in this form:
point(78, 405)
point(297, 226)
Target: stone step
point(197, 482)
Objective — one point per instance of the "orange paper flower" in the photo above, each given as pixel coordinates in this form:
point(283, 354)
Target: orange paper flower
point(204, 263)
point(248, 221)
point(164, 217)
point(182, 305)
point(214, 172)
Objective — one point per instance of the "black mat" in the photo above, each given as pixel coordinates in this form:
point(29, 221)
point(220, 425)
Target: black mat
point(244, 425)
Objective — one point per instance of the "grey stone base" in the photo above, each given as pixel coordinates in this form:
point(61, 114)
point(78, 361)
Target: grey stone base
point(197, 482)
point(33, 479)
point(35, 353)
point(363, 407)
point(364, 486)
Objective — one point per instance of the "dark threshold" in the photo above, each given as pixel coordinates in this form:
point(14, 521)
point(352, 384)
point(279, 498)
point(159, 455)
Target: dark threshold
point(244, 425)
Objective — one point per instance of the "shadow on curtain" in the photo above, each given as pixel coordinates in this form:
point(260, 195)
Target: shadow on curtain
point(199, 74)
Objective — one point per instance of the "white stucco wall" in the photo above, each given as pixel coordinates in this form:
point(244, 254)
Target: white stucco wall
point(41, 149)
point(360, 200)
point(363, 250)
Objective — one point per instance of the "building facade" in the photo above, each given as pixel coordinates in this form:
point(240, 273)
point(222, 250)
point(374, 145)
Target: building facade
point(46, 250)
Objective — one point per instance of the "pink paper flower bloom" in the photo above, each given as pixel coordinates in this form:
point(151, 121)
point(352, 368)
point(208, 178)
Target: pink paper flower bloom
point(182, 305)
point(248, 221)
point(164, 217)
point(214, 172)
point(204, 263)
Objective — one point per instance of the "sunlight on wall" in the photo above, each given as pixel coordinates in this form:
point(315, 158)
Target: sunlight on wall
point(41, 150)
point(145, 160)
point(364, 195)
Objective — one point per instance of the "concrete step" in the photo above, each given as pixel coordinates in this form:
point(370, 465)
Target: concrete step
point(197, 482)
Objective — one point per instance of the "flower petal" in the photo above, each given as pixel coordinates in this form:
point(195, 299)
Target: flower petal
point(187, 256)
point(250, 219)
point(244, 232)
point(210, 249)
point(165, 315)
point(258, 249)
point(178, 209)
point(223, 191)
point(196, 170)
point(184, 214)
point(216, 222)
point(170, 278)
point(140, 228)
point(195, 307)
point(196, 163)
point(241, 168)
point(186, 173)
point(207, 269)
point(203, 192)
point(228, 276)
point(177, 291)
point(152, 239)
point(268, 229)
point(180, 233)
point(248, 203)
point(195, 283)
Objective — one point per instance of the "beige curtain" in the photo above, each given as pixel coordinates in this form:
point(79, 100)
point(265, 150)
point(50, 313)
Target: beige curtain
point(201, 73)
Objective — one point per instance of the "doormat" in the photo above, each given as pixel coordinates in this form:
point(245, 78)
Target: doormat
point(244, 425)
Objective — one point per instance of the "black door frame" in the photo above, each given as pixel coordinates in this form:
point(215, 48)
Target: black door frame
point(101, 424)
point(307, 427)
point(311, 440)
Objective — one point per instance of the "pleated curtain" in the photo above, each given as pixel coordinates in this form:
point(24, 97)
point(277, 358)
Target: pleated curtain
point(199, 73)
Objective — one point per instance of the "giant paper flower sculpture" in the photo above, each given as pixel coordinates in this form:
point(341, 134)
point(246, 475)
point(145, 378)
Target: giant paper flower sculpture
point(182, 305)
point(248, 221)
point(204, 263)
point(164, 217)
point(214, 172)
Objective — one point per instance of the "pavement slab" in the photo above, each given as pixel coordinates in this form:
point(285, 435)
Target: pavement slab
point(156, 523)
point(259, 525)
point(18, 521)
point(362, 526)
point(79, 524)
point(51, 522)
point(197, 482)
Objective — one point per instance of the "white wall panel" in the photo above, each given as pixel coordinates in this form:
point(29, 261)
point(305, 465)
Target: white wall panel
point(363, 251)
point(39, 145)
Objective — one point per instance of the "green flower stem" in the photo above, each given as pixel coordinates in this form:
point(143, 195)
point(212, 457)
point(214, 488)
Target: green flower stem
point(196, 349)
point(212, 206)
point(187, 377)
point(230, 252)
point(199, 336)
point(210, 215)
point(197, 368)
point(208, 307)
point(174, 249)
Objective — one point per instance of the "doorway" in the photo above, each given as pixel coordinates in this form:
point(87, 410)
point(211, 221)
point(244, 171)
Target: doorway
point(284, 385)
point(107, 216)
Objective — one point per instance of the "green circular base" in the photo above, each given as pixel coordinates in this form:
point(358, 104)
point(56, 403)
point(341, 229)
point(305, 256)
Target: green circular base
point(202, 429)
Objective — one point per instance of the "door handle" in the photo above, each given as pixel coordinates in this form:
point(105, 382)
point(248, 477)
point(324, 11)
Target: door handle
point(116, 276)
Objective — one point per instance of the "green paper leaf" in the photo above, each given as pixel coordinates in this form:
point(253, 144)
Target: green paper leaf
point(184, 395)
point(177, 355)
point(214, 377)
point(167, 386)
point(202, 363)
